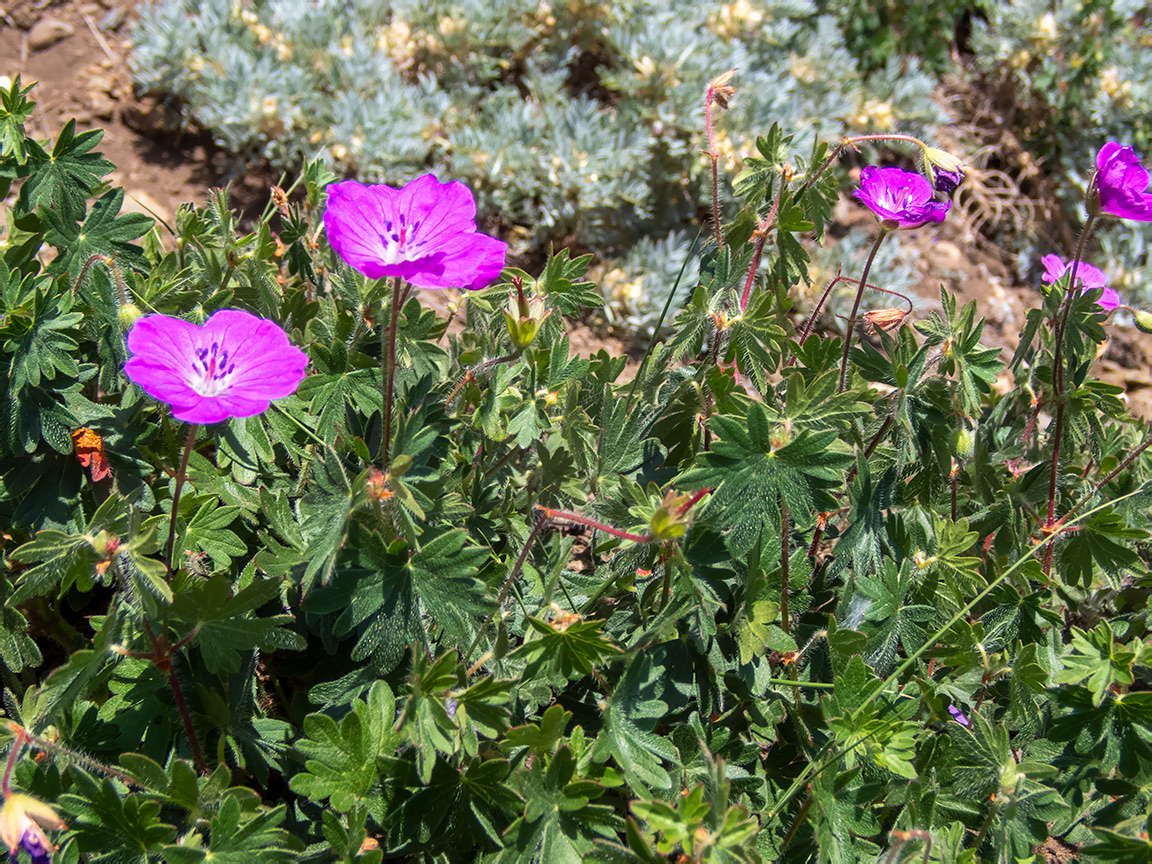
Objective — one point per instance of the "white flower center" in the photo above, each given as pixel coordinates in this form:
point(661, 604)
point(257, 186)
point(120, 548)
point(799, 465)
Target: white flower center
point(213, 371)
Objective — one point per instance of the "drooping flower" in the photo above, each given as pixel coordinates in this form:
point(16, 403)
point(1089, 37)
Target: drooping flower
point(22, 823)
point(232, 366)
point(944, 170)
point(902, 199)
point(1120, 185)
point(1087, 277)
point(424, 232)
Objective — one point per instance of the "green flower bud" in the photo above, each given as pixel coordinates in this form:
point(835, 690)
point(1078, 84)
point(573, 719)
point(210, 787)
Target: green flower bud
point(963, 444)
point(1144, 321)
point(127, 315)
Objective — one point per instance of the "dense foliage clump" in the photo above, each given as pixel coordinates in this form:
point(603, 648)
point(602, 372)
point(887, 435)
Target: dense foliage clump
point(468, 596)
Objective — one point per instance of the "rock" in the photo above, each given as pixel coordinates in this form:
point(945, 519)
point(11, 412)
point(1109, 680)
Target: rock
point(47, 32)
point(114, 20)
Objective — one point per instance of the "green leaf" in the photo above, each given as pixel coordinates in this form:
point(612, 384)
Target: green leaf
point(104, 232)
point(14, 113)
point(631, 714)
point(564, 651)
point(1097, 662)
point(751, 472)
point(233, 840)
point(341, 758)
point(63, 180)
point(106, 825)
point(225, 628)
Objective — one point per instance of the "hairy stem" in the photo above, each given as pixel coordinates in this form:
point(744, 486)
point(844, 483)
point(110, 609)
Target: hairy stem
point(785, 530)
point(389, 357)
point(1058, 381)
point(13, 754)
point(188, 444)
point(761, 238)
point(856, 309)
point(186, 718)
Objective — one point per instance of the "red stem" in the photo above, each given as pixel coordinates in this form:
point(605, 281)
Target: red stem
point(856, 309)
point(568, 516)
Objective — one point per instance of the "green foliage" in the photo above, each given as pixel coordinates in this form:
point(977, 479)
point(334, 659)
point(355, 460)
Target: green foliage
point(713, 609)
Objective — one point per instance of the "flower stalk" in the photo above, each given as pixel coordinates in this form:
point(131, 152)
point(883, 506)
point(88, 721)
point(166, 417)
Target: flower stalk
point(180, 474)
point(856, 310)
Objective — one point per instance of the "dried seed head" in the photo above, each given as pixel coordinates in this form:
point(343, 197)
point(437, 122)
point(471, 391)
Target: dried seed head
point(720, 91)
point(884, 319)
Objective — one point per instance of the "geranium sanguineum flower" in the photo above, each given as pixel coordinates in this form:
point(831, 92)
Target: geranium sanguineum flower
point(1087, 277)
point(902, 199)
point(424, 232)
point(1121, 183)
point(232, 366)
point(22, 823)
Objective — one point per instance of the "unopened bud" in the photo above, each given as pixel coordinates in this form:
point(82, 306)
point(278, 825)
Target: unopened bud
point(1144, 321)
point(127, 315)
point(963, 444)
point(944, 170)
point(524, 318)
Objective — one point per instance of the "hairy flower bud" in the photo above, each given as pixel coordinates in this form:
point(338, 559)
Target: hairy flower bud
point(1144, 321)
point(127, 315)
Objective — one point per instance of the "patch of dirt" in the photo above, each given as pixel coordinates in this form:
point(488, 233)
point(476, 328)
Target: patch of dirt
point(77, 51)
point(1057, 850)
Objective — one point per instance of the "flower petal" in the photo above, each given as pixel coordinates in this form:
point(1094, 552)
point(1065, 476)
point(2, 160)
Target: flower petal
point(469, 261)
point(354, 221)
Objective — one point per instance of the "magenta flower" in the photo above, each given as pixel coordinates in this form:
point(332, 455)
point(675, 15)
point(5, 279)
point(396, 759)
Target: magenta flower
point(1121, 183)
point(1087, 276)
point(233, 366)
point(902, 199)
point(424, 233)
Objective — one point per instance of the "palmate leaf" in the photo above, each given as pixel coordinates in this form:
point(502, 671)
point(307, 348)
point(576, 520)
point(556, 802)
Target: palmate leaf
point(106, 824)
point(39, 341)
point(105, 232)
point(14, 112)
point(224, 625)
point(233, 840)
point(1098, 542)
point(440, 578)
point(341, 758)
point(559, 823)
point(208, 531)
point(974, 366)
point(63, 180)
point(563, 652)
point(751, 473)
point(891, 621)
point(1098, 662)
point(629, 718)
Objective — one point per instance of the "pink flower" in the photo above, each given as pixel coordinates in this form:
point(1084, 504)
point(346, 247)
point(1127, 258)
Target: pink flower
point(22, 823)
point(902, 199)
point(424, 233)
point(1121, 182)
point(233, 366)
point(1087, 276)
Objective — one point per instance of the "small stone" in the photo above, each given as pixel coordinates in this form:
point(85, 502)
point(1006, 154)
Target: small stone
point(114, 20)
point(89, 9)
point(47, 32)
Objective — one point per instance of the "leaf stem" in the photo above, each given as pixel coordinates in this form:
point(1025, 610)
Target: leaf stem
point(188, 444)
point(856, 309)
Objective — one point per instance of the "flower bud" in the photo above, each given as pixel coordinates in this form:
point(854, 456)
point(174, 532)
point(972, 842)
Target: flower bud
point(943, 169)
point(524, 318)
point(963, 444)
point(1144, 321)
point(127, 315)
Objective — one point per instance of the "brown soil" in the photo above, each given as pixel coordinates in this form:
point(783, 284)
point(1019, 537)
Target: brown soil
point(85, 75)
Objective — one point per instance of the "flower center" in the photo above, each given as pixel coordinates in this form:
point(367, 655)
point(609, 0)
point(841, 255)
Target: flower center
point(212, 371)
point(399, 239)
